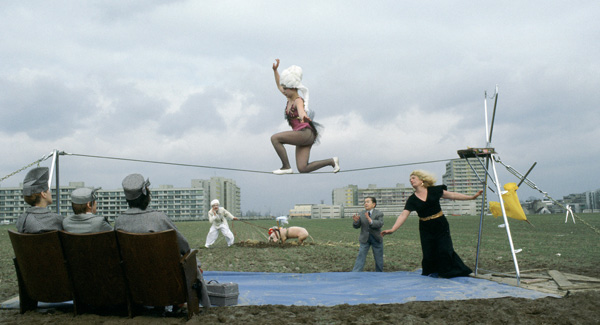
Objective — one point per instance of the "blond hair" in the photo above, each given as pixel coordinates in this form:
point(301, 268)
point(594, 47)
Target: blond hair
point(427, 177)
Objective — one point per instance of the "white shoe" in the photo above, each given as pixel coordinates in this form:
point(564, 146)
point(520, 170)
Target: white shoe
point(336, 168)
point(283, 171)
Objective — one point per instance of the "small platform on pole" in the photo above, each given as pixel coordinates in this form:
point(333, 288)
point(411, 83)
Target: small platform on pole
point(476, 152)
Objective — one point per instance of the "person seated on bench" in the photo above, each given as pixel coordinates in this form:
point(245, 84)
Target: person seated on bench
point(140, 219)
point(84, 204)
point(36, 192)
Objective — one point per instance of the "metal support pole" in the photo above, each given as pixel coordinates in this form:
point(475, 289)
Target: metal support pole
point(54, 167)
point(483, 201)
point(526, 174)
point(512, 247)
point(488, 140)
point(493, 115)
point(54, 153)
point(487, 130)
point(57, 185)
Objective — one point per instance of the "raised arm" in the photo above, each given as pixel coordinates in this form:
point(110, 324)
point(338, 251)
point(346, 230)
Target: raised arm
point(401, 218)
point(276, 73)
point(459, 196)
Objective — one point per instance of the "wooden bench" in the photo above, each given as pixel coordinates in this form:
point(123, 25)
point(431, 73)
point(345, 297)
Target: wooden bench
point(104, 269)
point(155, 272)
point(94, 266)
point(41, 270)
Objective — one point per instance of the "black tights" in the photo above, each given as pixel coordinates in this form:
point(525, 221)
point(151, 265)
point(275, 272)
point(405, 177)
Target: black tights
point(303, 140)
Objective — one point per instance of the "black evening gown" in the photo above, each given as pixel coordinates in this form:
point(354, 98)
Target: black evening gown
point(436, 243)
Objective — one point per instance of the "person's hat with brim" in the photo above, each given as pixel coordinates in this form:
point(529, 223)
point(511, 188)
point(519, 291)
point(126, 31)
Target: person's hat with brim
point(36, 181)
point(84, 195)
point(134, 186)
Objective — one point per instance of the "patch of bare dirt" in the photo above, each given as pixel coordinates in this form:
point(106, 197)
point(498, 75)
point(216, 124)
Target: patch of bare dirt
point(578, 308)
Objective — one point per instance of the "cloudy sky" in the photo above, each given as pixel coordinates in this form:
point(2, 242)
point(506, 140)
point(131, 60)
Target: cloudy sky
point(393, 82)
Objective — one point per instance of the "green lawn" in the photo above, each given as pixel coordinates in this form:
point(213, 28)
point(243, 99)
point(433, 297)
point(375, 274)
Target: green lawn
point(549, 244)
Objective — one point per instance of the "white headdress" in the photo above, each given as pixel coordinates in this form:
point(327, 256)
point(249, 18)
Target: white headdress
point(292, 78)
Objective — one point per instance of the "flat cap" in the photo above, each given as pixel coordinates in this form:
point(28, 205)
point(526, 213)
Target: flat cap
point(36, 181)
point(134, 186)
point(84, 195)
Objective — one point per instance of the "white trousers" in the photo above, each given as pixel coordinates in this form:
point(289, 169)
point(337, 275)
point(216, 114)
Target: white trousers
point(213, 234)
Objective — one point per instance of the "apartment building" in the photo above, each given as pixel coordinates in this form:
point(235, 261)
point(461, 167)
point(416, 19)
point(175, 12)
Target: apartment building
point(179, 203)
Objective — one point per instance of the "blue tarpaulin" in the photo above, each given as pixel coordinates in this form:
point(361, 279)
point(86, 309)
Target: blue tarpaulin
point(335, 288)
point(353, 288)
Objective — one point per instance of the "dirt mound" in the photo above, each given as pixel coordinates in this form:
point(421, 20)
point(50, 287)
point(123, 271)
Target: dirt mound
point(262, 244)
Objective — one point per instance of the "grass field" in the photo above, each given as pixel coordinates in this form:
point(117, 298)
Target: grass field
point(549, 244)
point(334, 249)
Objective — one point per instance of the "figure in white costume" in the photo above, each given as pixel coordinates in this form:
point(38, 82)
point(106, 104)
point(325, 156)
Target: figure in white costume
point(569, 211)
point(218, 217)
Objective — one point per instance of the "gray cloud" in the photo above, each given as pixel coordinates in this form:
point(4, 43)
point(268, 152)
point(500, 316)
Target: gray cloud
point(198, 111)
point(43, 107)
point(128, 108)
point(400, 81)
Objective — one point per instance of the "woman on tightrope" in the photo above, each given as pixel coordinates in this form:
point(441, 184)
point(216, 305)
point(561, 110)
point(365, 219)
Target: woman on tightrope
point(304, 131)
point(439, 257)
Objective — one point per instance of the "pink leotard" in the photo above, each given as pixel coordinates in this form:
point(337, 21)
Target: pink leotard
point(292, 117)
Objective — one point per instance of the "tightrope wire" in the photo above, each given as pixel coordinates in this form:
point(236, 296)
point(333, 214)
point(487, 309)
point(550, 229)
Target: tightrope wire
point(249, 170)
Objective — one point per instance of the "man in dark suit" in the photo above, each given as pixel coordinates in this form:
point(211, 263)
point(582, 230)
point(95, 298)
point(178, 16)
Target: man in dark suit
point(370, 222)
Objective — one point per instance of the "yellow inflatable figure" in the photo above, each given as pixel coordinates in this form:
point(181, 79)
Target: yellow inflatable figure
point(511, 204)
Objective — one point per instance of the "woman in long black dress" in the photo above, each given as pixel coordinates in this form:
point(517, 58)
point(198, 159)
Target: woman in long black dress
point(439, 257)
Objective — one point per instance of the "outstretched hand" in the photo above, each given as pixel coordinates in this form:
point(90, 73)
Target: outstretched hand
point(276, 64)
point(477, 194)
point(386, 232)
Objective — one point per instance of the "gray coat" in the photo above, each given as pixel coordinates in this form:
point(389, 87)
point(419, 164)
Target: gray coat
point(144, 221)
point(86, 223)
point(366, 228)
point(36, 220)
